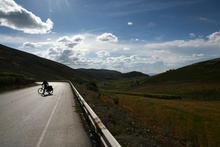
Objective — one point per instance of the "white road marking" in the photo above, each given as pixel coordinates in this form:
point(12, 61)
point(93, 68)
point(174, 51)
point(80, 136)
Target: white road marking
point(48, 122)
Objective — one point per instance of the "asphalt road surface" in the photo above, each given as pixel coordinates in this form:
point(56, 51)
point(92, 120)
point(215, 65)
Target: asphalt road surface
point(29, 120)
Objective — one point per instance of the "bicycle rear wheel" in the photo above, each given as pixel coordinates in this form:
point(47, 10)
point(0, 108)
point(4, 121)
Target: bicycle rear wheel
point(50, 92)
point(40, 90)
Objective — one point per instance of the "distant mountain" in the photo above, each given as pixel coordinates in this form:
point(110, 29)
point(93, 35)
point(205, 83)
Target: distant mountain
point(134, 74)
point(104, 74)
point(14, 61)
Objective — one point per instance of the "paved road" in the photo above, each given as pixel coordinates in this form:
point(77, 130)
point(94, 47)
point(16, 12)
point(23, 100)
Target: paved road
point(27, 119)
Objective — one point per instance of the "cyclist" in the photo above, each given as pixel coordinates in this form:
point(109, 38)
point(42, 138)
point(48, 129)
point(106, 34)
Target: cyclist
point(45, 84)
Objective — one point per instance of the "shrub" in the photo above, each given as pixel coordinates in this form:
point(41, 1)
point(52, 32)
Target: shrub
point(10, 80)
point(92, 86)
point(116, 101)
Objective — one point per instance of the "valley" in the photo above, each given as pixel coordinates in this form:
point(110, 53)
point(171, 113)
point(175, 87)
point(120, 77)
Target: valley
point(179, 107)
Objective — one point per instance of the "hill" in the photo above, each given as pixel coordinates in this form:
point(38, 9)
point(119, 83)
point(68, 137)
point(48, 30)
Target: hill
point(206, 71)
point(18, 62)
point(22, 65)
point(199, 81)
point(105, 75)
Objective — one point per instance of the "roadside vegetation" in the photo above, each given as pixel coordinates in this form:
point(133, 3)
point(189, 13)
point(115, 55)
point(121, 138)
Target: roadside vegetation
point(169, 113)
point(10, 81)
point(195, 122)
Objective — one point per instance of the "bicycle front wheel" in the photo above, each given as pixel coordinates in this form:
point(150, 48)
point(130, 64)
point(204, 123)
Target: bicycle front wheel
point(40, 90)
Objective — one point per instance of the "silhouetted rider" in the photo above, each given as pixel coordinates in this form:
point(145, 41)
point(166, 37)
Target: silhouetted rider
point(45, 84)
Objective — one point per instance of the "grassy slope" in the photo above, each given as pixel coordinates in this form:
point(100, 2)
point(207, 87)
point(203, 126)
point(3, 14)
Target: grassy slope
point(194, 122)
point(196, 81)
point(18, 62)
point(207, 71)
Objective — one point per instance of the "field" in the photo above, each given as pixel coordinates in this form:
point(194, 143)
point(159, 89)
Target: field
point(188, 112)
point(193, 121)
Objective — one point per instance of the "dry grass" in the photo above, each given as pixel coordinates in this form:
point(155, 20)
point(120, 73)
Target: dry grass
point(194, 121)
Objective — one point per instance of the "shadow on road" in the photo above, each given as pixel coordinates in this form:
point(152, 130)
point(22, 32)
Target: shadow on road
point(45, 95)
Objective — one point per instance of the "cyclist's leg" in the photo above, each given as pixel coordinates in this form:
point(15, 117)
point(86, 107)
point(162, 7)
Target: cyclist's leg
point(44, 91)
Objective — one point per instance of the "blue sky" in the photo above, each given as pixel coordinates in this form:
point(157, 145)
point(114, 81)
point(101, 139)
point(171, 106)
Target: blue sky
point(151, 36)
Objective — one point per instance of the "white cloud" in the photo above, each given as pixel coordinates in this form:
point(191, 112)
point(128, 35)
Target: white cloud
point(198, 55)
point(68, 50)
point(208, 20)
point(64, 39)
point(102, 53)
point(144, 57)
point(82, 51)
point(78, 38)
point(31, 44)
point(214, 37)
point(178, 44)
point(36, 44)
point(192, 35)
point(107, 37)
point(12, 40)
point(16, 17)
point(126, 49)
point(70, 41)
point(130, 23)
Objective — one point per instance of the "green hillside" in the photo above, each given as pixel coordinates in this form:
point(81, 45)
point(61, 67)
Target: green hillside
point(29, 65)
point(20, 66)
point(200, 81)
point(197, 81)
point(206, 71)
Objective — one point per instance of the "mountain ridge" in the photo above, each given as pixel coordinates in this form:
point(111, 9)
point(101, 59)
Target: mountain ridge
point(111, 74)
point(16, 61)
point(20, 62)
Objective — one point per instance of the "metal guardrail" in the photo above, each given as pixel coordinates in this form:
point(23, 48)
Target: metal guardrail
point(102, 135)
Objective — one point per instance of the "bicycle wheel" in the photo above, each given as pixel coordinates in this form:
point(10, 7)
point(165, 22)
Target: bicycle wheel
point(40, 90)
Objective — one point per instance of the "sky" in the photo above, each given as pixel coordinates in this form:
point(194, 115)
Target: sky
point(150, 36)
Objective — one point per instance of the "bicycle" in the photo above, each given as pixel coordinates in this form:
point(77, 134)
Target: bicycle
point(49, 90)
